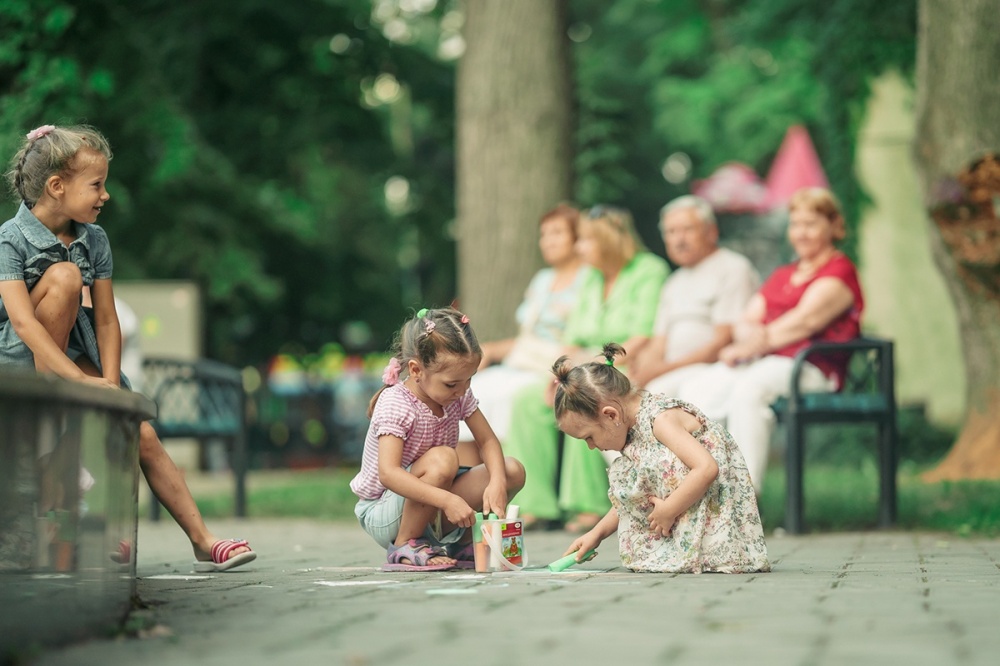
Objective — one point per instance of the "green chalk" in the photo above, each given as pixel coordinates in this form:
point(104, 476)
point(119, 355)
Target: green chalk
point(477, 531)
point(564, 563)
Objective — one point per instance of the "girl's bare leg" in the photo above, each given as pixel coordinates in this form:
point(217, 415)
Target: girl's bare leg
point(56, 298)
point(167, 484)
point(437, 467)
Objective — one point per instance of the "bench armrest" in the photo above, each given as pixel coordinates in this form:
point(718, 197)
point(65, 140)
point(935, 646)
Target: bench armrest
point(881, 348)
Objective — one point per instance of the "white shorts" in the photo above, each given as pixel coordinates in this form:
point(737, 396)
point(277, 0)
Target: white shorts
point(380, 518)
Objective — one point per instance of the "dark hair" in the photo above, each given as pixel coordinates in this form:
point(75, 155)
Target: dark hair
point(563, 211)
point(429, 333)
point(583, 388)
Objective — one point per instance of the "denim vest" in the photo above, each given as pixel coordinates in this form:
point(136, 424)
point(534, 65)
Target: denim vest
point(27, 249)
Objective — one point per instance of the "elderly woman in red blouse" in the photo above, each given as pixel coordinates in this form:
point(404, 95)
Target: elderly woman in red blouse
point(815, 298)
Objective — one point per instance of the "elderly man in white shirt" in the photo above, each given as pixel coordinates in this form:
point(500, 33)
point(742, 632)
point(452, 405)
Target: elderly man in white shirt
point(700, 303)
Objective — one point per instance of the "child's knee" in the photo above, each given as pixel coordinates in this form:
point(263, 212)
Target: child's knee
point(438, 466)
point(64, 276)
point(515, 473)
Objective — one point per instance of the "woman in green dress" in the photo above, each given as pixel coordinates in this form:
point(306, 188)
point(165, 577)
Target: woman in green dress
point(617, 302)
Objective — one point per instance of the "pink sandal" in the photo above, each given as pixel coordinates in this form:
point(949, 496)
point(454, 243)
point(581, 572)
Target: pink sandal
point(418, 552)
point(221, 561)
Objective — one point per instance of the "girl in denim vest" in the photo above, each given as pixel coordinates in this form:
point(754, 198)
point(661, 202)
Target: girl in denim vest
point(49, 251)
point(414, 498)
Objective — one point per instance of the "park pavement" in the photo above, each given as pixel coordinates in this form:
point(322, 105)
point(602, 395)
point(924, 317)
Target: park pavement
point(315, 595)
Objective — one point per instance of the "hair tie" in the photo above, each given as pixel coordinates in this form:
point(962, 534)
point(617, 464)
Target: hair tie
point(609, 361)
point(429, 325)
point(39, 132)
point(465, 319)
point(390, 377)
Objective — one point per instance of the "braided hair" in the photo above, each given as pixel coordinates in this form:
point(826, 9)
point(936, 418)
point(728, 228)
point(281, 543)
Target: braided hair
point(48, 151)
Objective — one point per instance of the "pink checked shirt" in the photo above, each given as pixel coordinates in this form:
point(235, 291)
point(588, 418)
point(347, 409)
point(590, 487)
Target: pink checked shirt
point(398, 412)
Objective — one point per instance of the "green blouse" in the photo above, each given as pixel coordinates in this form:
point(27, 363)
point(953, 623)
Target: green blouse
point(629, 310)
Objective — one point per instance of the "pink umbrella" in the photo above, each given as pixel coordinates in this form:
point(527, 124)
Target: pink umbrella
point(732, 188)
point(795, 166)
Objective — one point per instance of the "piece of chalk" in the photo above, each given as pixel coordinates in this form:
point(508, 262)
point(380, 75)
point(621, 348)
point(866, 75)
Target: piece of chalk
point(564, 563)
point(513, 511)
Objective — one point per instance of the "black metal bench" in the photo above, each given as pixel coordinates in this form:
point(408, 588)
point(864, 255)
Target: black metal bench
point(202, 400)
point(868, 396)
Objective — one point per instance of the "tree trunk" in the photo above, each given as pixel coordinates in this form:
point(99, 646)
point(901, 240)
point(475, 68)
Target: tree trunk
point(514, 115)
point(958, 130)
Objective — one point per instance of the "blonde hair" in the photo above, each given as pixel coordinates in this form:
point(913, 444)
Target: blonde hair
point(822, 201)
point(615, 232)
point(584, 388)
point(53, 152)
point(428, 334)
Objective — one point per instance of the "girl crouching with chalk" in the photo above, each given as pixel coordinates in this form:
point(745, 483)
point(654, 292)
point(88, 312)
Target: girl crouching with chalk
point(682, 501)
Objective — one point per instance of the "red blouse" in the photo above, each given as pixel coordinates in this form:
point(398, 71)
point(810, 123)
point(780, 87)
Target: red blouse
point(780, 296)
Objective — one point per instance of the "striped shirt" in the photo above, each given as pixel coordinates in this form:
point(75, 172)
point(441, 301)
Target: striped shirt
point(398, 412)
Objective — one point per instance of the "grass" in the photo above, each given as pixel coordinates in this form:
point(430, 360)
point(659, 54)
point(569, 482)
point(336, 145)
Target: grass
point(838, 498)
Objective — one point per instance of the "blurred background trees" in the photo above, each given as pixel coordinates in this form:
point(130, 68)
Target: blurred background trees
point(298, 161)
point(957, 146)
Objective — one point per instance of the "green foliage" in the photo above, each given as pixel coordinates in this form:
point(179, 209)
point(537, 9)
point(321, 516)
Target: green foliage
point(842, 498)
point(252, 153)
point(723, 81)
point(247, 157)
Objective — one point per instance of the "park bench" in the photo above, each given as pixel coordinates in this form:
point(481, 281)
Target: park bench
point(868, 396)
point(202, 400)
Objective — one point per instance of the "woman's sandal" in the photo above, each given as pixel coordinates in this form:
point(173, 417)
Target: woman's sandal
point(583, 523)
point(533, 523)
point(418, 552)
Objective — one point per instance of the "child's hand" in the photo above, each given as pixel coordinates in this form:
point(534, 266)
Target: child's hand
point(100, 382)
point(661, 518)
point(584, 544)
point(458, 512)
point(495, 498)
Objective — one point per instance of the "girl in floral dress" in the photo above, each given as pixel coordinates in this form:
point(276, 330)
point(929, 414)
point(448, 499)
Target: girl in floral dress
point(682, 501)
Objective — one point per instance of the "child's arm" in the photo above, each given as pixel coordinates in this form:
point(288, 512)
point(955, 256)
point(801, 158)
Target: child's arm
point(108, 330)
point(673, 428)
point(393, 476)
point(495, 494)
point(21, 311)
point(607, 526)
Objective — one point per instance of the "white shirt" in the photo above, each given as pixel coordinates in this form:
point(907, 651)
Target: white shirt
point(695, 300)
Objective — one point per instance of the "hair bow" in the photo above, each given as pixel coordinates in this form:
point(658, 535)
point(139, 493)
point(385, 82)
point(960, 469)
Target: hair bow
point(390, 377)
point(39, 132)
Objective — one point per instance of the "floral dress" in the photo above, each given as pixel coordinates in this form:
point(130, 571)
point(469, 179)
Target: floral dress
point(721, 532)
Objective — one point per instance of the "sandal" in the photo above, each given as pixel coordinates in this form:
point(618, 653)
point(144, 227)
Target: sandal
point(418, 552)
point(532, 523)
point(221, 561)
point(583, 523)
point(465, 556)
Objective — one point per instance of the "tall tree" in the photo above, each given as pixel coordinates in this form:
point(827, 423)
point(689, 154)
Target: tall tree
point(514, 154)
point(958, 135)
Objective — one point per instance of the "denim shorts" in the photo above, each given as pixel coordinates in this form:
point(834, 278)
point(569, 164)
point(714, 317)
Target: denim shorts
point(380, 519)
